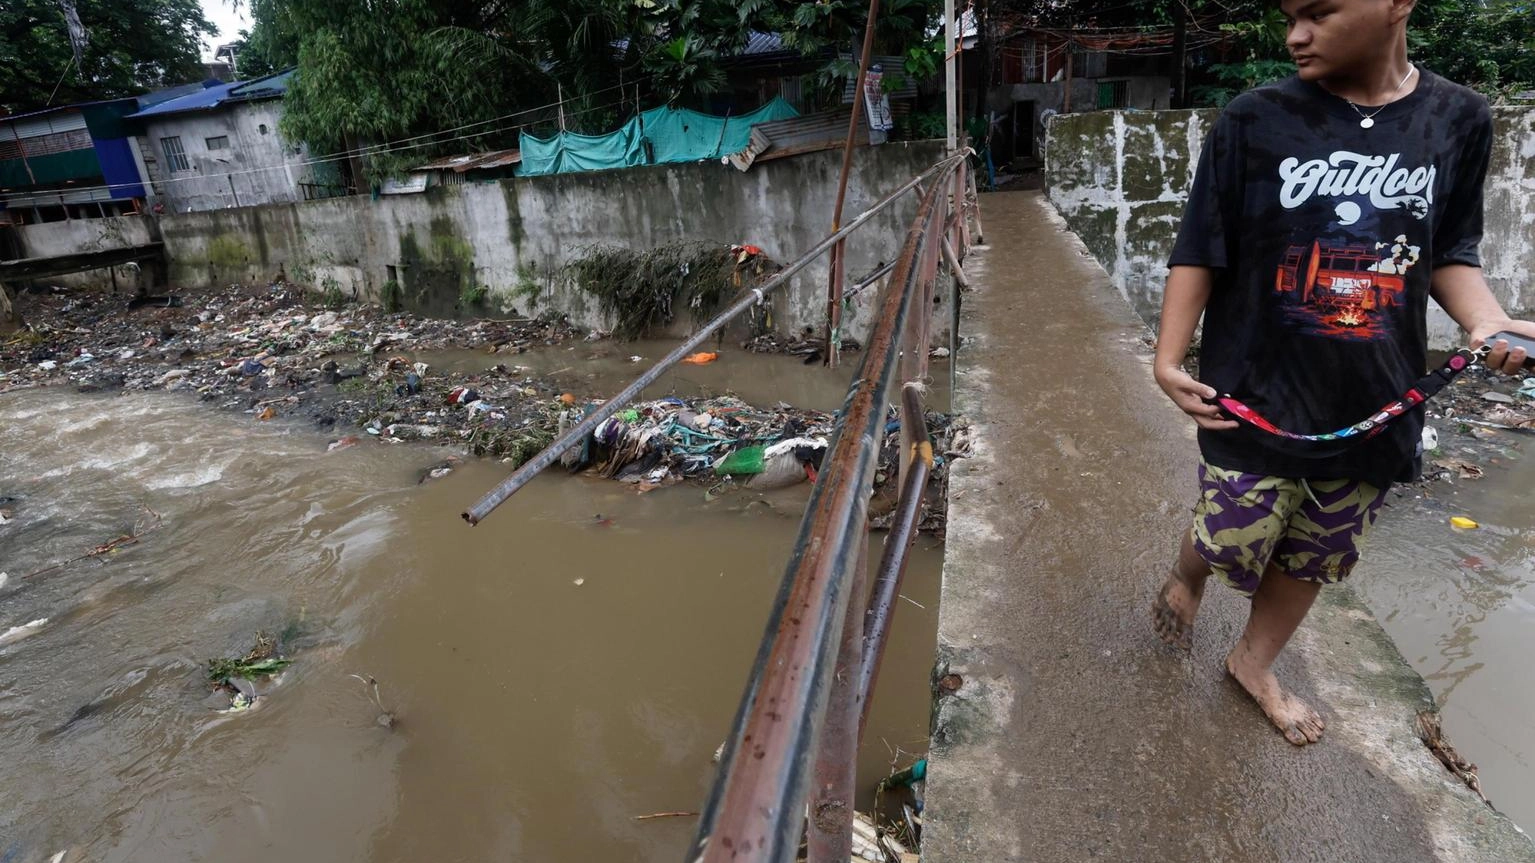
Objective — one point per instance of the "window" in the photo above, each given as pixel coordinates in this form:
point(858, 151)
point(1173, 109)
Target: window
point(219, 143)
point(175, 157)
point(1113, 94)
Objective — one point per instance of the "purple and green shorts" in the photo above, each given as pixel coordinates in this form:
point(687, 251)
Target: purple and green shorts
point(1309, 529)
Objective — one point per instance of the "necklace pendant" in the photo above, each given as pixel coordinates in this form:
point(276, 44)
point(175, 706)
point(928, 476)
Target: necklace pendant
point(1366, 123)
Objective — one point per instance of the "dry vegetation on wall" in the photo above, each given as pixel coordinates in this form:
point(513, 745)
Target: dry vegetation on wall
point(641, 290)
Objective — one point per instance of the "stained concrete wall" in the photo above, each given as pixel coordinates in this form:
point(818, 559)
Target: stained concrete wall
point(48, 239)
point(1121, 178)
point(513, 236)
point(84, 235)
point(257, 167)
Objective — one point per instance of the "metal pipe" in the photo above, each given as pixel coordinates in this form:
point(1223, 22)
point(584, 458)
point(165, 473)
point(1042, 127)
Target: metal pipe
point(519, 478)
point(755, 811)
point(915, 345)
point(892, 563)
point(951, 103)
point(838, 255)
point(973, 201)
point(869, 280)
point(953, 261)
point(830, 830)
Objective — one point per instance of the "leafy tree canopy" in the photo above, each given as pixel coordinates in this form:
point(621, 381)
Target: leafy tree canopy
point(131, 46)
point(1485, 44)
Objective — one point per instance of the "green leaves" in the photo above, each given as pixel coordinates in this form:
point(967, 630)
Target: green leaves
point(133, 46)
point(1485, 44)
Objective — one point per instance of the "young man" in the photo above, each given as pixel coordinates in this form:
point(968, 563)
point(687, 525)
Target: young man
point(1326, 210)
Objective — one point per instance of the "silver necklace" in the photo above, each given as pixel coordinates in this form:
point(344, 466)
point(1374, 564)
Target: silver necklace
point(1368, 120)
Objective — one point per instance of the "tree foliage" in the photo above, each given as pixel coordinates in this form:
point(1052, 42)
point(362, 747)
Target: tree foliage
point(386, 70)
point(1485, 44)
point(132, 46)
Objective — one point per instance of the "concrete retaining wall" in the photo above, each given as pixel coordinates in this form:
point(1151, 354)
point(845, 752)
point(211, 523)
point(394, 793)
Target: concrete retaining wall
point(513, 236)
point(48, 239)
point(1121, 178)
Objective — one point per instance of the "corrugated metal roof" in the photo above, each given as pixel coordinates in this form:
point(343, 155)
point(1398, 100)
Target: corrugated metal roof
point(473, 161)
point(208, 98)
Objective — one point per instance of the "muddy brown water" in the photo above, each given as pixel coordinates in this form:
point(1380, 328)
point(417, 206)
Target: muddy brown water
point(601, 368)
point(1460, 605)
point(536, 716)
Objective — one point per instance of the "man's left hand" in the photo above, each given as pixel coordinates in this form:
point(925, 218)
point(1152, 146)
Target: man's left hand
point(1502, 359)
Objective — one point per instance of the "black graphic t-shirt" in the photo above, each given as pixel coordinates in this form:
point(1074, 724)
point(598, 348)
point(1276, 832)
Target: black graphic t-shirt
point(1323, 236)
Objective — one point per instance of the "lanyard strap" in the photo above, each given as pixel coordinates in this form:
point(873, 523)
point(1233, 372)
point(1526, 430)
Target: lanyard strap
point(1426, 388)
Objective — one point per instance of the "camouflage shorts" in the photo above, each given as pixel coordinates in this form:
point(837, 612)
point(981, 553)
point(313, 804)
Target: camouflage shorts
point(1309, 529)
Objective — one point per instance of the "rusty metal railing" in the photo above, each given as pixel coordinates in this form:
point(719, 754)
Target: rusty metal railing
point(788, 766)
point(797, 730)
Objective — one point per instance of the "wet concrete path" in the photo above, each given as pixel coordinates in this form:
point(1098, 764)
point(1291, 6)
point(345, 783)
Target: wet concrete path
point(1075, 734)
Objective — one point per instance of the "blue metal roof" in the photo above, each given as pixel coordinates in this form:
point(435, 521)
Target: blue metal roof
point(208, 98)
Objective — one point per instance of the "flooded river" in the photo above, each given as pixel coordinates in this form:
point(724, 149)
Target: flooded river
point(1461, 606)
point(568, 665)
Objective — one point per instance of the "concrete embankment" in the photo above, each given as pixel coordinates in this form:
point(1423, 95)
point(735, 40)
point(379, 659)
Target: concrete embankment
point(1075, 734)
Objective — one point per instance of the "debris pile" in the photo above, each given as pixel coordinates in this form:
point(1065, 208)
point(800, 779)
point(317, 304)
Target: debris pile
point(357, 370)
point(264, 350)
point(249, 678)
point(807, 344)
point(724, 442)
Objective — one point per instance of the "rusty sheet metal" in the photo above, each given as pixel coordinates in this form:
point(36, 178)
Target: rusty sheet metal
point(792, 137)
point(473, 161)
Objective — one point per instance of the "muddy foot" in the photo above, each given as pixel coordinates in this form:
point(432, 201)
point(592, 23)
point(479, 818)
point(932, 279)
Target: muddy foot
point(1172, 614)
point(1294, 718)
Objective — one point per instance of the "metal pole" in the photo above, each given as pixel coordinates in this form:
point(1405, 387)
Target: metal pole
point(951, 103)
point(755, 812)
point(892, 564)
point(497, 496)
point(870, 279)
point(838, 256)
point(915, 341)
point(830, 831)
point(973, 198)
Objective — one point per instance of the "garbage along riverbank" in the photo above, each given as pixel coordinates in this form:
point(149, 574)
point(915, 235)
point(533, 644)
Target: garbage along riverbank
point(365, 375)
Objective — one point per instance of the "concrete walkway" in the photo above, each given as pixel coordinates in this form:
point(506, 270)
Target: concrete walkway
point(1075, 735)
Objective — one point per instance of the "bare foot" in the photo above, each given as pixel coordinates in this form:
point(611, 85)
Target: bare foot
point(1172, 614)
point(1294, 718)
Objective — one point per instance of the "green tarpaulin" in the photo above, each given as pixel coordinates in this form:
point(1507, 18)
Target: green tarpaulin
point(657, 136)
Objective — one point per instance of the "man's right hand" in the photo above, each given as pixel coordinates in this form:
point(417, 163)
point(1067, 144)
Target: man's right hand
point(1189, 395)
